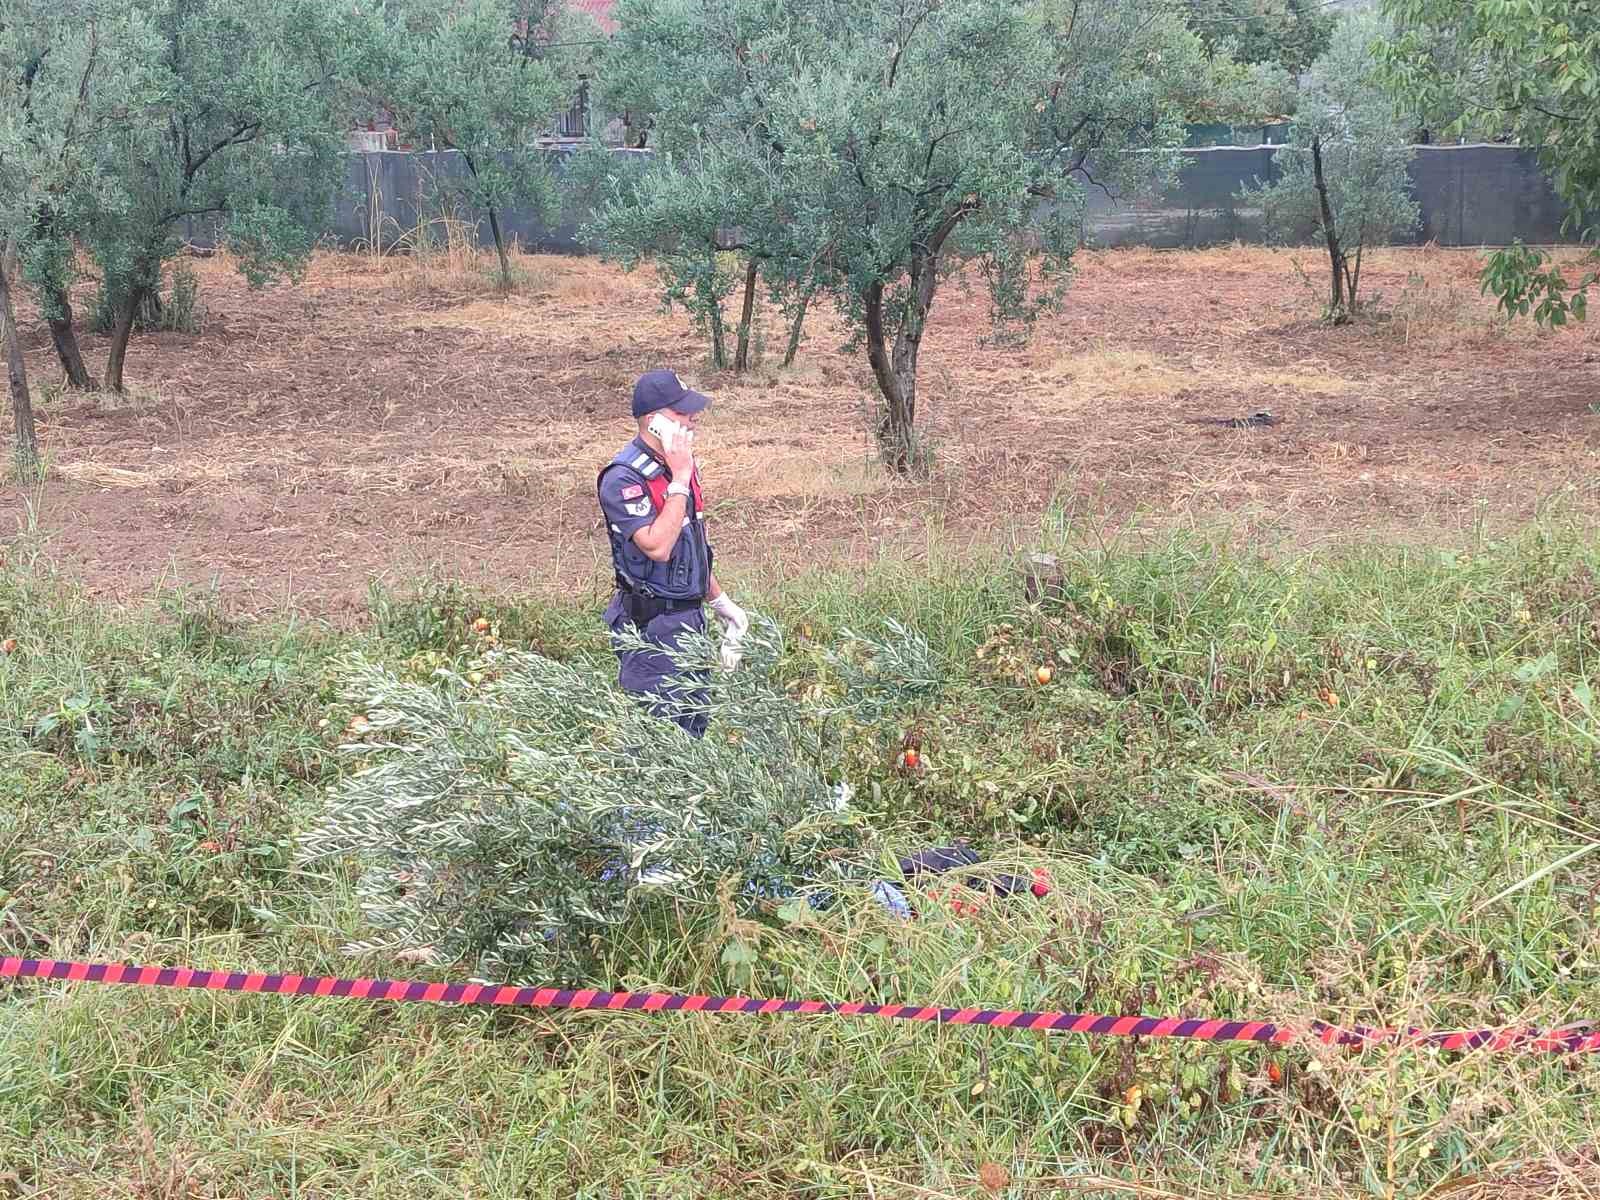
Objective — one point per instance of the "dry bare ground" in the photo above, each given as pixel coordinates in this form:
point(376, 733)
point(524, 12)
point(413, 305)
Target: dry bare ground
point(395, 415)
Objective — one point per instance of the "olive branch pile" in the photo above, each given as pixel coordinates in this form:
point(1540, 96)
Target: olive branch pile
point(516, 823)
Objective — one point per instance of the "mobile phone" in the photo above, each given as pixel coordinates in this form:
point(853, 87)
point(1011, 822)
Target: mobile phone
point(669, 431)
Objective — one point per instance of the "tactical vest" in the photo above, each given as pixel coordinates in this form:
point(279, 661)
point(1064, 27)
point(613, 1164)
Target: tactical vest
point(686, 575)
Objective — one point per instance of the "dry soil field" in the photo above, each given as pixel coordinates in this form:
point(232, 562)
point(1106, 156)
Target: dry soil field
point(392, 416)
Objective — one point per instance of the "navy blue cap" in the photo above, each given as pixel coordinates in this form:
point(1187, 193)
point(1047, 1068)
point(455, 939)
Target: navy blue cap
point(663, 389)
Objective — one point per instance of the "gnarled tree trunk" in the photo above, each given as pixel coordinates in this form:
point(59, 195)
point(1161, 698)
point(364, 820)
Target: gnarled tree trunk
point(795, 329)
point(25, 447)
point(741, 356)
point(719, 338)
point(896, 371)
point(57, 308)
point(65, 338)
point(120, 334)
point(895, 368)
point(1339, 304)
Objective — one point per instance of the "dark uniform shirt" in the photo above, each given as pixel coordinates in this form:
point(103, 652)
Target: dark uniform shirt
point(633, 490)
point(662, 601)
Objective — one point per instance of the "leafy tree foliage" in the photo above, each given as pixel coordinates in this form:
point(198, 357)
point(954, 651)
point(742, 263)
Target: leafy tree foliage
point(1289, 34)
point(1531, 69)
point(1345, 173)
point(896, 141)
point(241, 131)
point(72, 76)
point(487, 80)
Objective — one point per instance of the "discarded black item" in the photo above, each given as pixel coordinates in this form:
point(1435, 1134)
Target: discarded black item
point(947, 858)
point(1253, 421)
point(938, 860)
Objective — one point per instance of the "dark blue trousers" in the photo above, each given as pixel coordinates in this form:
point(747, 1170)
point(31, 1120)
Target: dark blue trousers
point(653, 676)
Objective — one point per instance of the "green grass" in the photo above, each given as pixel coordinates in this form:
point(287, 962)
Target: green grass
point(1286, 788)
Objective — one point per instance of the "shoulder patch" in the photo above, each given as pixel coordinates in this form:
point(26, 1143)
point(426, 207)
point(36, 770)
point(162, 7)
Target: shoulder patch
point(638, 508)
point(632, 491)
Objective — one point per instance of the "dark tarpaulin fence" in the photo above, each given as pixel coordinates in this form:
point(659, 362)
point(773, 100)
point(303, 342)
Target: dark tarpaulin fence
point(1477, 195)
point(387, 195)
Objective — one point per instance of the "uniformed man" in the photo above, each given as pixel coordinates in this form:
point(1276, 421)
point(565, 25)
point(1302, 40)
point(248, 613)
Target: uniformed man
point(654, 513)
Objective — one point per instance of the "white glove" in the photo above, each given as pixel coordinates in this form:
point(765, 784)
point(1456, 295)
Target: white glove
point(737, 623)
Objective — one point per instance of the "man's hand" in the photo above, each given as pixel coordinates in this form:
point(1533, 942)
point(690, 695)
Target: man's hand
point(680, 458)
point(736, 625)
point(680, 463)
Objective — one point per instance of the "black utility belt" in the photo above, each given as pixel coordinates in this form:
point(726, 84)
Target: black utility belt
point(642, 609)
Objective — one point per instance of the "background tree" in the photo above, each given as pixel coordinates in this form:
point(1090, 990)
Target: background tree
point(243, 132)
point(1345, 174)
point(25, 438)
point(700, 72)
point(69, 76)
point(18, 67)
point(1234, 92)
point(927, 135)
point(707, 220)
point(690, 217)
point(1533, 71)
point(907, 137)
point(1289, 34)
point(487, 80)
point(73, 61)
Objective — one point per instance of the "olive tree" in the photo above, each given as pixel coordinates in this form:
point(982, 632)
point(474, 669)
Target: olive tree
point(929, 135)
point(74, 66)
point(71, 76)
point(710, 209)
point(1530, 71)
point(241, 137)
point(690, 215)
point(907, 138)
point(19, 68)
point(486, 80)
point(1345, 173)
point(1289, 34)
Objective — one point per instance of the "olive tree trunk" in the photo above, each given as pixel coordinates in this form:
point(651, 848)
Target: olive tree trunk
point(25, 444)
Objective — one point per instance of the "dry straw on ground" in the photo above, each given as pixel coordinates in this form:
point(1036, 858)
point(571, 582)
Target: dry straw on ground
point(399, 404)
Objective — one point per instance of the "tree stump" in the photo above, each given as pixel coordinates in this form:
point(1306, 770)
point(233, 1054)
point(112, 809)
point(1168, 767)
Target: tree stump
point(1042, 578)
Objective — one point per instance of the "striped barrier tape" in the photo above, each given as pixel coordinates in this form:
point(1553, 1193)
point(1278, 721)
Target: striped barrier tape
point(1574, 1039)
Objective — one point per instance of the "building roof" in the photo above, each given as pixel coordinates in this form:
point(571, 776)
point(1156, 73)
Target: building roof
point(600, 10)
